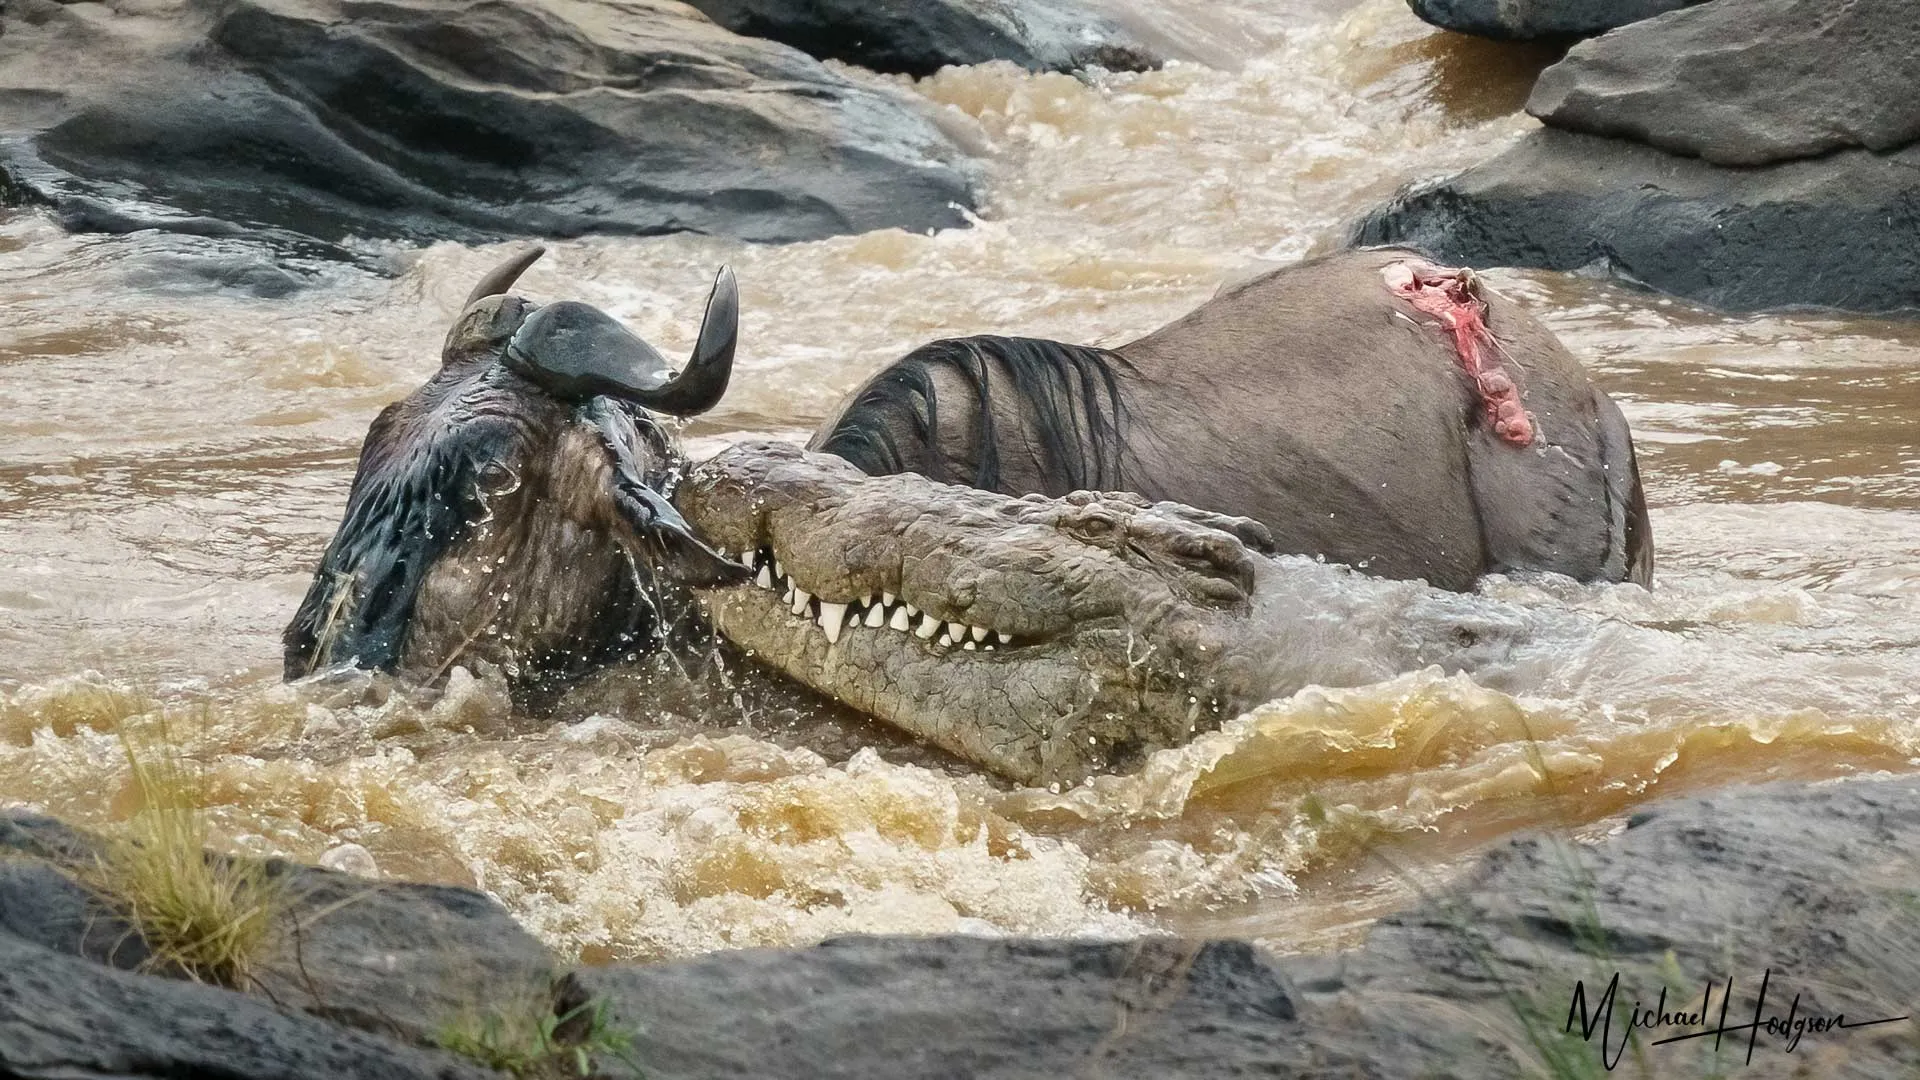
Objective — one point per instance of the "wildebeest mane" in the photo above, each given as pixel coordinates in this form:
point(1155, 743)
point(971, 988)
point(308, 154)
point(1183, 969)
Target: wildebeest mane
point(1070, 396)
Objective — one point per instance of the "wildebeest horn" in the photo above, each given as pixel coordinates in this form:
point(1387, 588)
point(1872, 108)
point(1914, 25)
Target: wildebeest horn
point(700, 385)
point(576, 351)
point(502, 277)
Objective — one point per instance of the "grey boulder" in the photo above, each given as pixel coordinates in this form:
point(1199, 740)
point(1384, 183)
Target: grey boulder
point(391, 958)
point(1526, 20)
point(1840, 231)
point(63, 1017)
point(918, 37)
point(316, 122)
point(1749, 82)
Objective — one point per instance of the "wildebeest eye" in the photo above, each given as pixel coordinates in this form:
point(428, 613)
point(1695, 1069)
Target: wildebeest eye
point(497, 478)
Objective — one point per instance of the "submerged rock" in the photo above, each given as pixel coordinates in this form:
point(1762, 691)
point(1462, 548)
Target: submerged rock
point(1525, 20)
point(1839, 231)
point(918, 37)
point(1747, 83)
point(318, 122)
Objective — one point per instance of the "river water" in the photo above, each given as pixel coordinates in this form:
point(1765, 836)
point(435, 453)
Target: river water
point(173, 458)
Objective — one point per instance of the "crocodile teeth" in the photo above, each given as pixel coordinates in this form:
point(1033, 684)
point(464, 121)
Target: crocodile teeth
point(800, 600)
point(777, 572)
point(957, 631)
point(832, 618)
point(1003, 637)
point(946, 641)
point(967, 645)
point(977, 633)
point(764, 579)
point(876, 615)
point(912, 612)
point(901, 620)
point(927, 626)
point(887, 599)
point(787, 597)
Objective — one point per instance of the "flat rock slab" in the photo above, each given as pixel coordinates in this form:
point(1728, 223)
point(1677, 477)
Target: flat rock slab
point(1747, 83)
point(1840, 231)
point(63, 1017)
point(958, 1007)
point(1809, 888)
point(315, 122)
point(1527, 20)
point(919, 37)
point(399, 959)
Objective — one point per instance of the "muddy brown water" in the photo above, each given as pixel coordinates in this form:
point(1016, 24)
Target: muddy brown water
point(172, 461)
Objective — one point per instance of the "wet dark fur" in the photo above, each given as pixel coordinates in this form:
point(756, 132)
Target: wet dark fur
point(431, 496)
point(1075, 414)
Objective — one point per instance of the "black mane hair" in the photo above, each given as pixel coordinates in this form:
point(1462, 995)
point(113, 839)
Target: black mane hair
point(1070, 394)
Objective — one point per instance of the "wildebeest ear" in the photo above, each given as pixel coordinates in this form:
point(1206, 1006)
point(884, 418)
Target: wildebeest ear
point(678, 553)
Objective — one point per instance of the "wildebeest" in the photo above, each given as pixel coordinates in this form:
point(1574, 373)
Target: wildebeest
point(515, 508)
point(1368, 407)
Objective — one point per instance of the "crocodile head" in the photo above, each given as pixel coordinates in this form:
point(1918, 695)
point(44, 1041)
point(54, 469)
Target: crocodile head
point(1046, 639)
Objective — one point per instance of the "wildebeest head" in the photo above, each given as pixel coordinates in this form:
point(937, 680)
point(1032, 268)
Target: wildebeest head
point(515, 507)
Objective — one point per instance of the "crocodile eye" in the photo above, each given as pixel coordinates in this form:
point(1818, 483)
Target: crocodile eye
point(1093, 526)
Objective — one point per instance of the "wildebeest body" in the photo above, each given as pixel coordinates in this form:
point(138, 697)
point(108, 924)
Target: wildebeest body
point(1312, 399)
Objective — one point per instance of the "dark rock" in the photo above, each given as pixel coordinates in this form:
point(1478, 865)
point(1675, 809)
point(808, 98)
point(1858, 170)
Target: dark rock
point(41, 902)
point(1526, 20)
point(399, 959)
point(1841, 231)
point(918, 37)
point(1817, 885)
point(325, 122)
point(63, 1017)
point(1747, 83)
point(957, 1007)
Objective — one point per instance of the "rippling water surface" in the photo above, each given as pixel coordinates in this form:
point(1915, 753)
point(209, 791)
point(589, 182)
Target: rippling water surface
point(173, 459)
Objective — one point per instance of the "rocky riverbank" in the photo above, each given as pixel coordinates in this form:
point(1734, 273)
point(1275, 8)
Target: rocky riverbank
point(1745, 155)
point(1809, 890)
point(317, 124)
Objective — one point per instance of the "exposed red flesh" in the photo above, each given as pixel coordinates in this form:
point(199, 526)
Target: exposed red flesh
point(1451, 295)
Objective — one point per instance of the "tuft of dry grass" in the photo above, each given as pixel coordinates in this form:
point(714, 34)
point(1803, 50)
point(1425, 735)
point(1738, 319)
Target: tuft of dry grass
point(203, 916)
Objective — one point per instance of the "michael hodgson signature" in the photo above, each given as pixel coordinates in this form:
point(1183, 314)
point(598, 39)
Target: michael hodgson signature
point(1702, 1022)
